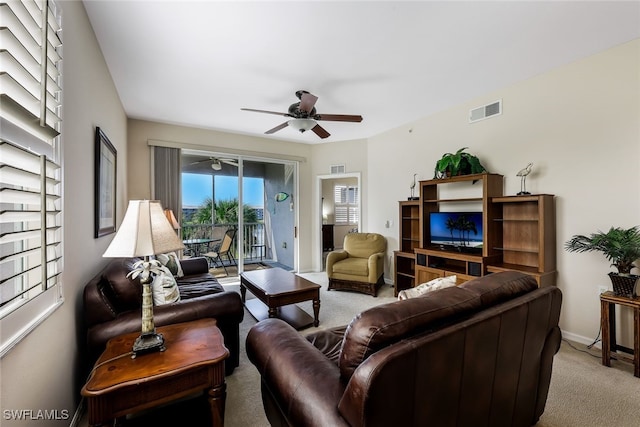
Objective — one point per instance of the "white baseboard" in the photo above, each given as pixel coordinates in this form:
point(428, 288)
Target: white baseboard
point(580, 339)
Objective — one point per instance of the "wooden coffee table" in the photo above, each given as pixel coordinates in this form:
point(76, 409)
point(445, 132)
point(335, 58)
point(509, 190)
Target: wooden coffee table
point(276, 292)
point(192, 362)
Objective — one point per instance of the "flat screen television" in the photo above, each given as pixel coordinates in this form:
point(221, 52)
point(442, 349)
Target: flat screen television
point(459, 231)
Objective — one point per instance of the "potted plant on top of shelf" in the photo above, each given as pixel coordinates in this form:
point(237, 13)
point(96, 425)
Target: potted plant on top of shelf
point(621, 247)
point(458, 163)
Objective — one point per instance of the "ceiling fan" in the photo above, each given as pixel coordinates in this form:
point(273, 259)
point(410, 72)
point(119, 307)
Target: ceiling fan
point(304, 116)
point(216, 162)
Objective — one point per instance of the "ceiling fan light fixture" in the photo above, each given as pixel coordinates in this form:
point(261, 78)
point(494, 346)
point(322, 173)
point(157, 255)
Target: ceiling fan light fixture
point(302, 124)
point(216, 165)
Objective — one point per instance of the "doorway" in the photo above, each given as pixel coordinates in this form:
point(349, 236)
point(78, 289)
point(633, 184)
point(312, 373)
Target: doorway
point(340, 211)
point(252, 196)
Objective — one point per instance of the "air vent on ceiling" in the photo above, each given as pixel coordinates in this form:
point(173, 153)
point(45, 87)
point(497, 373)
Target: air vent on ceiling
point(486, 111)
point(337, 169)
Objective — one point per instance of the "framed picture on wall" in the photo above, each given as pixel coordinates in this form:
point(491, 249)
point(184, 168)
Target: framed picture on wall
point(105, 185)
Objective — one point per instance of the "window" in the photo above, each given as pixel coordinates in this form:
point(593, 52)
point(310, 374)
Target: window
point(30, 189)
point(346, 199)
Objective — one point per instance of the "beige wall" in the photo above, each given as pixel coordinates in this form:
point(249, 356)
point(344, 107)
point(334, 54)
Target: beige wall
point(43, 371)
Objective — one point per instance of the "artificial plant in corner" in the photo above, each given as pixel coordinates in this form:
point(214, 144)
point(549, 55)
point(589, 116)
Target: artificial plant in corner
point(458, 163)
point(620, 246)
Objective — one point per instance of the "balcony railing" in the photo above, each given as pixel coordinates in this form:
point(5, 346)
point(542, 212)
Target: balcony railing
point(254, 239)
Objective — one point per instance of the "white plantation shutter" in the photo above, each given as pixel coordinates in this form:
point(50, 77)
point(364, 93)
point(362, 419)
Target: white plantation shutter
point(30, 188)
point(346, 204)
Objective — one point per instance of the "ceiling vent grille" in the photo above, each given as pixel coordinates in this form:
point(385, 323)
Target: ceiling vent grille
point(337, 169)
point(486, 111)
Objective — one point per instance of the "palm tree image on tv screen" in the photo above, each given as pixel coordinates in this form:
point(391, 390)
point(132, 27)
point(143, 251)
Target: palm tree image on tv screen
point(456, 230)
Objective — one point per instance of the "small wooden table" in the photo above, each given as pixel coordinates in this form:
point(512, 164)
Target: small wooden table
point(608, 301)
point(279, 290)
point(192, 362)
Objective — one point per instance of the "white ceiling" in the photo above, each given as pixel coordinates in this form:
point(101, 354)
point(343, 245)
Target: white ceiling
point(196, 63)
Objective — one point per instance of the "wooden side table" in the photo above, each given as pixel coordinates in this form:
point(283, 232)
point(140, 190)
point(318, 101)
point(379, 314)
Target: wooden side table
point(608, 301)
point(192, 362)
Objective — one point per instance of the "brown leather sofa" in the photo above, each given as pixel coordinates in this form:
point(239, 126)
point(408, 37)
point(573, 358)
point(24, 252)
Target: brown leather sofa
point(478, 354)
point(112, 306)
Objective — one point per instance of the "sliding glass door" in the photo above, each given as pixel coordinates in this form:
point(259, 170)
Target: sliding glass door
point(250, 199)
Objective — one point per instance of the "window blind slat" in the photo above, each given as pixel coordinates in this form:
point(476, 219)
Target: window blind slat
point(9, 19)
point(19, 255)
point(21, 95)
point(8, 297)
point(19, 115)
point(18, 236)
point(31, 199)
point(29, 16)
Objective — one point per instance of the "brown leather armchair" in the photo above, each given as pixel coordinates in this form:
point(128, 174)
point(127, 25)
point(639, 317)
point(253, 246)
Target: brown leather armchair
point(359, 266)
point(112, 306)
point(478, 354)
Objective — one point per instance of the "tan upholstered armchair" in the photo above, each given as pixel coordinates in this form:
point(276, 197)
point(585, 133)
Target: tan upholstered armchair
point(359, 266)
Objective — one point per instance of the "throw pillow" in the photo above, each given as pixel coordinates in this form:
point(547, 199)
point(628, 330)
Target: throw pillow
point(165, 288)
point(423, 288)
point(172, 262)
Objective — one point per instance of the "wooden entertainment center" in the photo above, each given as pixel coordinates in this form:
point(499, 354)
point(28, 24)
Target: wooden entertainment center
point(518, 232)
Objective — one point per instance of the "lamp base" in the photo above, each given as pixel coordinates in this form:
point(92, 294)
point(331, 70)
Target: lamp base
point(148, 343)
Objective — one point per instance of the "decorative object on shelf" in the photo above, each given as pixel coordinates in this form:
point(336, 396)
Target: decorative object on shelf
point(458, 163)
point(281, 197)
point(145, 231)
point(105, 185)
point(621, 247)
point(413, 187)
point(523, 178)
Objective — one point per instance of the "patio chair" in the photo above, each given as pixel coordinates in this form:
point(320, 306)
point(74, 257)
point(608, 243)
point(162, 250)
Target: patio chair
point(223, 249)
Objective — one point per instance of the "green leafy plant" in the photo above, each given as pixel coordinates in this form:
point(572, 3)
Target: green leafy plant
point(458, 163)
point(620, 246)
point(226, 212)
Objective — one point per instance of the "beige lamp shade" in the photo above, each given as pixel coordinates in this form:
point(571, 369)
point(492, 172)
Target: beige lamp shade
point(144, 231)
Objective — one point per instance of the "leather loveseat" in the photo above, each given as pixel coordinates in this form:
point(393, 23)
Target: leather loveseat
point(112, 306)
point(478, 354)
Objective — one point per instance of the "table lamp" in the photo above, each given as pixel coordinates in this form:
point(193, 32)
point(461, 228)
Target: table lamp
point(145, 231)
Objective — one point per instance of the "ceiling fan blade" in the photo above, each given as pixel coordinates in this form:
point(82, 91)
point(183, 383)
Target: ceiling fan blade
point(277, 128)
point(320, 131)
point(265, 111)
point(307, 101)
point(201, 161)
point(229, 162)
point(338, 117)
